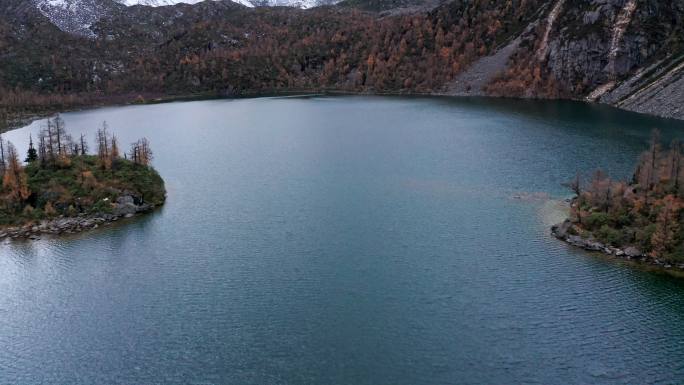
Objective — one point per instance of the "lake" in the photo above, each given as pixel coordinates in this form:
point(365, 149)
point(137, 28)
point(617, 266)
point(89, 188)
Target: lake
point(346, 240)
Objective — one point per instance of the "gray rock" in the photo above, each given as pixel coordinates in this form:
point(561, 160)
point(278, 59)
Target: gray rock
point(632, 252)
point(124, 209)
point(594, 246)
point(144, 207)
point(125, 199)
point(561, 230)
point(576, 240)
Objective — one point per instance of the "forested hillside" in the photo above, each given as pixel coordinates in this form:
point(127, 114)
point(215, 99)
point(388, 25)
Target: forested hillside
point(623, 52)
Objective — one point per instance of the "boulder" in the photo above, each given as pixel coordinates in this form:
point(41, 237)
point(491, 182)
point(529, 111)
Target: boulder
point(144, 207)
point(632, 252)
point(594, 246)
point(125, 199)
point(561, 230)
point(124, 209)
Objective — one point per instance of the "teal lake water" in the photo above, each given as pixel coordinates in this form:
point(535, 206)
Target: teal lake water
point(346, 240)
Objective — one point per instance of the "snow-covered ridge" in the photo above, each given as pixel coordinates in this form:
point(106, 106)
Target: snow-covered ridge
point(249, 3)
point(77, 16)
point(74, 16)
point(156, 3)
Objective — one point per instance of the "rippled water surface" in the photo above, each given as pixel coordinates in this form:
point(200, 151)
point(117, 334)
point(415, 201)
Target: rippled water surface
point(346, 240)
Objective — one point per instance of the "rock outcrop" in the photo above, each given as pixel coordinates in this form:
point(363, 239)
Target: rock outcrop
point(567, 232)
point(124, 207)
point(624, 53)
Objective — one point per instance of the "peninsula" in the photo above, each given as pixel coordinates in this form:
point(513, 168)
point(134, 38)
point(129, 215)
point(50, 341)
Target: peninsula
point(637, 220)
point(62, 188)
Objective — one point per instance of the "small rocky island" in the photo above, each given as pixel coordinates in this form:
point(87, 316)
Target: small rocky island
point(639, 220)
point(62, 188)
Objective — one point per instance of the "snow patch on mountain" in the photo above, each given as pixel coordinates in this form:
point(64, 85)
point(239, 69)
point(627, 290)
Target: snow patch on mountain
point(78, 16)
point(74, 16)
point(249, 3)
point(156, 3)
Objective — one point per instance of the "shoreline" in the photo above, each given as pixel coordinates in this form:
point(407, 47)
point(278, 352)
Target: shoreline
point(130, 99)
point(106, 194)
point(70, 225)
point(628, 253)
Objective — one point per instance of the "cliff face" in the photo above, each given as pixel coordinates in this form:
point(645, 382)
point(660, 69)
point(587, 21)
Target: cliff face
point(626, 53)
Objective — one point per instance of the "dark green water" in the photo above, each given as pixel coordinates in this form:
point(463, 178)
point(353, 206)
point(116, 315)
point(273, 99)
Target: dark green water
point(346, 240)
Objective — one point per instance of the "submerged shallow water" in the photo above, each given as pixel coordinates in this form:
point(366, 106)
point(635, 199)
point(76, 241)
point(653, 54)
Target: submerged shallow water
point(346, 240)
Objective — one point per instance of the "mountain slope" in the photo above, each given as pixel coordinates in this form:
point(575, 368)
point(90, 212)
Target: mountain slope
point(76, 16)
point(620, 52)
point(625, 53)
point(157, 3)
point(249, 3)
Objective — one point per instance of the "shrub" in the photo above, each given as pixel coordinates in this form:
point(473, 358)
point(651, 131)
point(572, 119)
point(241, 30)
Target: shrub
point(28, 211)
point(643, 236)
point(596, 220)
point(50, 210)
point(609, 236)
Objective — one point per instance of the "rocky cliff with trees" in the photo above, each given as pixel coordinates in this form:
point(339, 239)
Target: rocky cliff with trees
point(626, 53)
point(60, 187)
point(642, 218)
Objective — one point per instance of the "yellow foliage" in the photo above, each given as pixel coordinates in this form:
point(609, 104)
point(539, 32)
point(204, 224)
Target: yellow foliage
point(50, 210)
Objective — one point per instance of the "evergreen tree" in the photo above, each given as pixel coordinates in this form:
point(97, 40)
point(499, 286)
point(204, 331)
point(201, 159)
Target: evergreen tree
point(3, 163)
point(84, 146)
point(32, 154)
point(114, 150)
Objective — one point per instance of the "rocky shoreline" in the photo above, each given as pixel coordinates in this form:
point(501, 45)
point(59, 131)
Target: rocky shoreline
point(125, 207)
point(563, 232)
